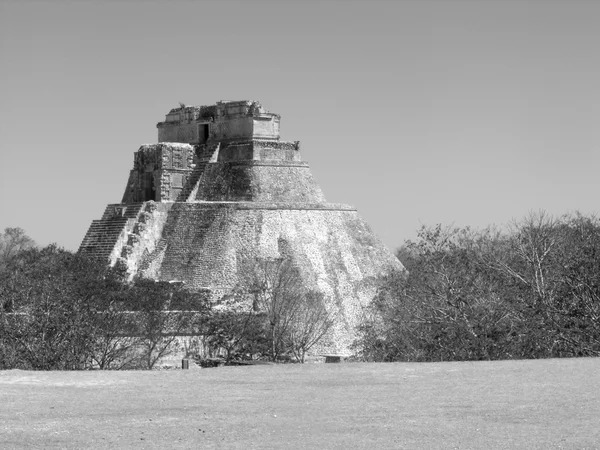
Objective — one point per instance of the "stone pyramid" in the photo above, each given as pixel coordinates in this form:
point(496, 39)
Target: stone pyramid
point(220, 180)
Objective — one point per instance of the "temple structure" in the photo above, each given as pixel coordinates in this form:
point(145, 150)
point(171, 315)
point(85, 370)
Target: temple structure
point(220, 183)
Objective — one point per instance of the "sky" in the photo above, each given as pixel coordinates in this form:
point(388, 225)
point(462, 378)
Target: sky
point(416, 112)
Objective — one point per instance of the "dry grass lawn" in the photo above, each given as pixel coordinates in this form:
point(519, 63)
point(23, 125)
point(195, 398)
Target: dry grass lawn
point(544, 404)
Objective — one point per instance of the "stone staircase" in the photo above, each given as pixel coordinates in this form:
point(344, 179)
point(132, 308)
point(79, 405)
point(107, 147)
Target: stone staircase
point(102, 236)
point(117, 210)
point(204, 155)
point(185, 193)
point(150, 258)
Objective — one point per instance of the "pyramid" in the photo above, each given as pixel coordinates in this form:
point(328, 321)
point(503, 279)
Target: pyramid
point(220, 181)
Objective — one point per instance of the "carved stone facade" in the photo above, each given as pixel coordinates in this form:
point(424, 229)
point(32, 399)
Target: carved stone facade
point(221, 122)
point(198, 199)
point(159, 172)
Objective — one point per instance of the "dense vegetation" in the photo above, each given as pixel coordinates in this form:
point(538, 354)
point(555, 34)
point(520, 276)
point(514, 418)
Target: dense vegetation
point(61, 310)
point(530, 292)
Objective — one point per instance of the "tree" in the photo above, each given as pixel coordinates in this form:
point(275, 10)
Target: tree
point(48, 315)
point(556, 262)
point(449, 305)
point(236, 327)
point(163, 312)
point(115, 341)
point(12, 241)
point(311, 323)
point(530, 292)
point(276, 289)
point(296, 319)
point(579, 307)
point(64, 311)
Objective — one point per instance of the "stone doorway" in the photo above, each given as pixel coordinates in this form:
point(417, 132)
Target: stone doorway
point(203, 132)
point(149, 188)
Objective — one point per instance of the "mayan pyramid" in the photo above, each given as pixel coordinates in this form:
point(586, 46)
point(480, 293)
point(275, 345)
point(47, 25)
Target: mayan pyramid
point(220, 180)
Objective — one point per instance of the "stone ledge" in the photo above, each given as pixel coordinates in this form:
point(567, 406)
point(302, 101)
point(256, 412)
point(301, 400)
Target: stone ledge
point(268, 205)
point(199, 204)
point(160, 145)
point(272, 163)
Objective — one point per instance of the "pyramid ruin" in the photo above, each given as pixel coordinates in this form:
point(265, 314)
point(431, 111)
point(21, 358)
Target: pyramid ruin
point(220, 181)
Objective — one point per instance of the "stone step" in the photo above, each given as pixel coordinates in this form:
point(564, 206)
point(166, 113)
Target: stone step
point(192, 181)
point(129, 210)
point(108, 226)
point(102, 236)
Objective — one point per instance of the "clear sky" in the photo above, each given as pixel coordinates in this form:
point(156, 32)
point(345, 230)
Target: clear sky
point(416, 112)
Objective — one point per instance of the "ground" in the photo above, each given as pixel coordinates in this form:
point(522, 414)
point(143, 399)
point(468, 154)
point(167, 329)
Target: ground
point(543, 404)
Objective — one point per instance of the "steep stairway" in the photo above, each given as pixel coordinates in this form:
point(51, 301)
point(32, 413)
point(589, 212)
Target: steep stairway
point(204, 153)
point(192, 181)
point(103, 234)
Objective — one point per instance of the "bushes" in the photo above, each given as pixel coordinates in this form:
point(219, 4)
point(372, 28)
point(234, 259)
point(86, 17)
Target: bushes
point(62, 311)
point(269, 313)
point(533, 292)
point(295, 317)
point(48, 309)
point(530, 292)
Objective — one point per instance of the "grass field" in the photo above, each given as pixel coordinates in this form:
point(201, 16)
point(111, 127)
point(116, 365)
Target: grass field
point(544, 404)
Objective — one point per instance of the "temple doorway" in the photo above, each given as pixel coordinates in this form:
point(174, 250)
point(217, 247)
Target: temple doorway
point(149, 188)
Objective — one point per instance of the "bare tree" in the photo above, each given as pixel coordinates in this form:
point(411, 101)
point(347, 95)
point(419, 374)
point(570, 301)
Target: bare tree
point(311, 323)
point(275, 287)
point(12, 241)
point(234, 326)
point(163, 312)
point(535, 244)
point(296, 318)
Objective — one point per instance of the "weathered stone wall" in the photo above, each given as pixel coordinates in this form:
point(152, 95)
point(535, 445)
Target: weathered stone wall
point(183, 133)
point(261, 181)
point(160, 171)
point(224, 121)
point(238, 128)
point(142, 237)
point(266, 128)
point(336, 250)
point(259, 150)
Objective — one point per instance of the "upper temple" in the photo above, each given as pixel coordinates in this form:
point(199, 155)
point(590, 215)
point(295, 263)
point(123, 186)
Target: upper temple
point(227, 120)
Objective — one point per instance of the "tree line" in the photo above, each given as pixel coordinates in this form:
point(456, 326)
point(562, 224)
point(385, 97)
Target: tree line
point(62, 310)
point(531, 291)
